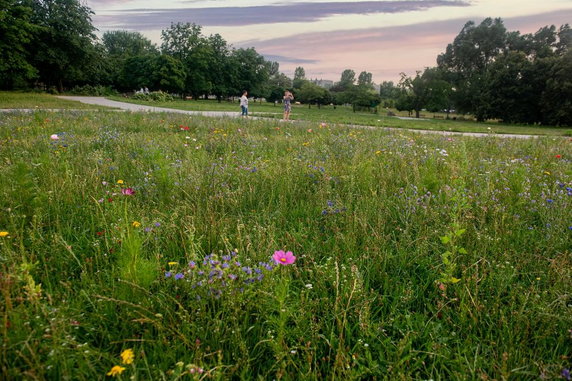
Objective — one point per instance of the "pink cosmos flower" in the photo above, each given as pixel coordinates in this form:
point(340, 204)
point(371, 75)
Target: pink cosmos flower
point(127, 191)
point(284, 258)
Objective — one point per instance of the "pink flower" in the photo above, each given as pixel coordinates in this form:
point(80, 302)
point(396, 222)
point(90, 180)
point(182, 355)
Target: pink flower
point(54, 137)
point(284, 258)
point(127, 191)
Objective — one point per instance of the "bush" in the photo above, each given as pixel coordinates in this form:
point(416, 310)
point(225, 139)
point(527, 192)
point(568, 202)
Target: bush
point(154, 96)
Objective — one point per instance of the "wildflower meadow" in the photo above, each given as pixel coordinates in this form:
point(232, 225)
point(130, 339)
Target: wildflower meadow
point(164, 247)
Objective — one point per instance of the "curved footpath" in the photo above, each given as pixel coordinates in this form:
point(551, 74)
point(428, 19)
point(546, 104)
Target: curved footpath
point(123, 106)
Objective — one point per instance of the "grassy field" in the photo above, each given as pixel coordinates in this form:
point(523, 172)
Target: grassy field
point(142, 245)
point(345, 115)
point(25, 100)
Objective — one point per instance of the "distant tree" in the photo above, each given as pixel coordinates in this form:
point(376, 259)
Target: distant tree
point(388, 93)
point(63, 43)
point(219, 71)
point(365, 80)
point(312, 94)
point(299, 77)
point(252, 71)
point(16, 34)
point(120, 45)
point(277, 84)
point(168, 74)
point(185, 42)
point(347, 80)
point(556, 101)
point(467, 59)
point(138, 72)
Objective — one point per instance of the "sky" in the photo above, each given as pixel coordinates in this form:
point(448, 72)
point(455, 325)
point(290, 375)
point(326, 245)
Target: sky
point(326, 37)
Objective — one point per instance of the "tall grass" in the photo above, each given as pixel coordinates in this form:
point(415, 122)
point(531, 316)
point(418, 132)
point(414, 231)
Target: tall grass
point(420, 257)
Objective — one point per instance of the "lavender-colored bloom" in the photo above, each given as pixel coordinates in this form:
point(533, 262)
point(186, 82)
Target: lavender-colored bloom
point(157, 224)
point(232, 276)
point(168, 274)
point(330, 203)
point(201, 273)
point(179, 276)
point(247, 270)
point(192, 264)
point(225, 265)
point(147, 230)
point(566, 374)
point(324, 212)
point(226, 258)
point(550, 201)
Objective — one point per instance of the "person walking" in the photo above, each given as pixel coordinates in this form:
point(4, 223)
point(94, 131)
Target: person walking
point(244, 103)
point(287, 100)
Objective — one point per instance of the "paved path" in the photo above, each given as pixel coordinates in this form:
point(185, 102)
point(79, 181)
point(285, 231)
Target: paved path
point(123, 106)
point(100, 101)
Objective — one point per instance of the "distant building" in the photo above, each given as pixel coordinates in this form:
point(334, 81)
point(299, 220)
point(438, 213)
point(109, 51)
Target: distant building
point(325, 83)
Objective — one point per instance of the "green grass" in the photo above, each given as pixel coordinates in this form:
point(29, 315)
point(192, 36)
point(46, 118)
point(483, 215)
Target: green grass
point(25, 100)
point(345, 115)
point(382, 224)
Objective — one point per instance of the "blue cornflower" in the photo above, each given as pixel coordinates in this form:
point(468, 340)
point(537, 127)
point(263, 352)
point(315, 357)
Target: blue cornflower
point(179, 276)
point(168, 274)
point(549, 200)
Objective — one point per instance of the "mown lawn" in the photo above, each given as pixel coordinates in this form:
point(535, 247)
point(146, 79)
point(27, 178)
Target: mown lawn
point(142, 245)
point(345, 115)
point(26, 100)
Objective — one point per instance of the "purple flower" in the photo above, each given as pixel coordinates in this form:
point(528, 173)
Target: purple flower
point(192, 264)
point(157, 224)
point(566, 374)
point(168, 274)
point(179, 276)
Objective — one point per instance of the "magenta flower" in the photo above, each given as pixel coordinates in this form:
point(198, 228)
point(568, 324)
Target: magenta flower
point(128, 191)
point(284, 258)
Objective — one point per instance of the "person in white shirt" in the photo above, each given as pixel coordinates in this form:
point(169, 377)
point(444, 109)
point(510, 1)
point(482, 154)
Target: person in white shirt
point(244, 103)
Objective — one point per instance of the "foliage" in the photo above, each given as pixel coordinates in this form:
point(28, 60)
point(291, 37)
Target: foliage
point(17, 30)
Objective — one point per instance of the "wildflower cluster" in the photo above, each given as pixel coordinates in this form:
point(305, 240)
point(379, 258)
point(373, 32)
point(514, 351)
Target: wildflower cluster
point(216, 276)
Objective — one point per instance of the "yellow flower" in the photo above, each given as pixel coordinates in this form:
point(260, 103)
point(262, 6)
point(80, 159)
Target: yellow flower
point(119, 181)
point(115, 371)
point(378, 152)
point(173, 263)
point(4, 234)
point(546, 173)
point(306, 144)
point(136, 224)
point(127, 356)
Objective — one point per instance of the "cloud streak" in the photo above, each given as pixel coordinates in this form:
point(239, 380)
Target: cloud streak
point(152, 19)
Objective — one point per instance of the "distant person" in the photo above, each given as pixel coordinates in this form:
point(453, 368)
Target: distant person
point(287, 100)
point(244, 103)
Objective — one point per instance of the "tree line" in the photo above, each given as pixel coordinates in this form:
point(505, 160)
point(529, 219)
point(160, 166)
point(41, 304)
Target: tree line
point(492, 73)
point(486, 71)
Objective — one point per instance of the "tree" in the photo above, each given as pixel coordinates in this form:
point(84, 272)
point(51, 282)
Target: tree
point(299, 77)
point(365, 80)
point(388, 93)
point(311, 93)
point(16, 31)
point(556, 101)
point(168, 74)
point(63, 41)
point(468, 58)
point(251, 71)
point(120, 45)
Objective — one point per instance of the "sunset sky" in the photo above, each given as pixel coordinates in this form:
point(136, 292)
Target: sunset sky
point(326, 37)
